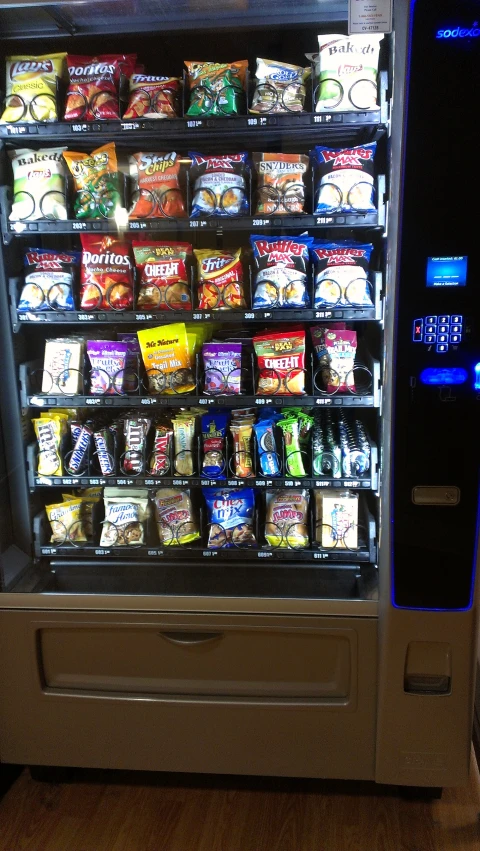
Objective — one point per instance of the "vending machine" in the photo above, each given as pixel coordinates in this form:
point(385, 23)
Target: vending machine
point(240, 387)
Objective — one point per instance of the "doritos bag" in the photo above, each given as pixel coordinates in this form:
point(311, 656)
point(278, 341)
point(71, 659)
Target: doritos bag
point(106, 274)
point(93, 91)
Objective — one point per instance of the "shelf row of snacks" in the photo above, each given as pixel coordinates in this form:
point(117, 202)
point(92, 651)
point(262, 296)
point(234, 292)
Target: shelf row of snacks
point(293, 523)
point(97, 86)
point(327, 448)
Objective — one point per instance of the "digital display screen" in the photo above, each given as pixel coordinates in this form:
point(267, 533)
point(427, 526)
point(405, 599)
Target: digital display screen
point(446, 271)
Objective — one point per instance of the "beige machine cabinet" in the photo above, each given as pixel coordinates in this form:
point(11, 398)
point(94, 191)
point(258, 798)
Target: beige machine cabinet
point(211, 693)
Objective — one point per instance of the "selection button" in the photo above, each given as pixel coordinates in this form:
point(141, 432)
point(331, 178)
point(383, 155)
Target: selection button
point(442, 348)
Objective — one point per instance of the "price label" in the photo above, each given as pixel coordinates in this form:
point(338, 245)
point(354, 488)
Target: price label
point(130, 125)
point(137, 225)
point(206, 401)
point(85, 317)
point(198, 223)
point(323, 401)
point(260, 223)
point(89, 401)
point(79, 226)
point(144, 317)
point(21, 130)
point(79, 128)
point(194, 125)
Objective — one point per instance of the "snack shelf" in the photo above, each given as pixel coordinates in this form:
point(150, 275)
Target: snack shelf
point(40, 482)
point(141, 318)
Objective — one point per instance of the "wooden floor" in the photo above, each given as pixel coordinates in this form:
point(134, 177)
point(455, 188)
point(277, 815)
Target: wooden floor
point(104, 811)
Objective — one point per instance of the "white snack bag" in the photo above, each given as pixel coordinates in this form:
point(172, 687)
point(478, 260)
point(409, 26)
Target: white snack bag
point(346, 69)
point(337, 519)
point(39, 181)
point(125, 514)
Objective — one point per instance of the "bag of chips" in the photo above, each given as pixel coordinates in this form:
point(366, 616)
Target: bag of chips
point(219, 185)
point(220, 279)
point(281, 363)
point(176, 523)
point(31, 87)
point(97, 182)
point(125, 516)
point(344, 178)
point(153, 97)
point(167, 359)
point(39, 187)
point(281, 271)
point(49, 280)
point(230, 517)
point(156, 186)
point(280, 186)
point(66, 521)
point(93, 91)
point(341, 347)
point(217, 88)
point(279, 87)
point(163, 275)
point(286, 519)
point(346, 68)
point(106, 275)
point(340, 273)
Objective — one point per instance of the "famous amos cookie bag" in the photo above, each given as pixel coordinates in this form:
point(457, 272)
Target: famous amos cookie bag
point(125, 514)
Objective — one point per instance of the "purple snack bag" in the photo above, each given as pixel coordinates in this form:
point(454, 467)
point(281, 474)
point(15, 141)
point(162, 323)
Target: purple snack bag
point(222, 364)
point(131, 379)
point(107, 360)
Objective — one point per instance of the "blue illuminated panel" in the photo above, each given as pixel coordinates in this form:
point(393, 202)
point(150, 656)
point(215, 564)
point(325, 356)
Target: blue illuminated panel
point(444, 375)
point(446, 271)
point(460, 32)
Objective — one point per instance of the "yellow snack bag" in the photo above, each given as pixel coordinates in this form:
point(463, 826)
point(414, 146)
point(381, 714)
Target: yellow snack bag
point(166, 358)
point(31, 85)
point(66, 522)
point(49, 429)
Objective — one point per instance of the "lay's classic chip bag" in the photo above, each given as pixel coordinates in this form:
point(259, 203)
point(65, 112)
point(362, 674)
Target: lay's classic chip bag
point(30, 88)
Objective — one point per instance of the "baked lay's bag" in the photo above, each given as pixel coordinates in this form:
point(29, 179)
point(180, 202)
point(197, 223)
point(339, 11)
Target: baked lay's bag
point(97, 184)
point(156, 186)
point(220, 279)
point(153, 97)
point(39, 184)
point(31, 87)
point(93, 91)
point(106, 275)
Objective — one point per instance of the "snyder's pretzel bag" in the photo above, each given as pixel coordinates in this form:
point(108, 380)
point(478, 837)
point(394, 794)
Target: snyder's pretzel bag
point(344, 178)
point(220, 279)
point(219, 185)
point(156, 187)
point(49, 280)
point(280, 186)
point(286, 518)
point(93, 91)
point(153, 97)
point(38, 184)
point(346, 69)
point(216, 88)
point(31, 87)
point(176, 523)
point(281, 363)
point(106, 274)
point(281, 271)
point(163, 275)
point(279, 87)
point(97, 183)
point(230, 516)
point(340, 273)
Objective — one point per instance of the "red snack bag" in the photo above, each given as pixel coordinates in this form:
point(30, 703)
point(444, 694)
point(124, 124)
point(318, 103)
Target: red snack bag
point(93, 91)
point(281, 363)
point(157, 192)
point(153, 97)
point(164, 275)
point(106, 275)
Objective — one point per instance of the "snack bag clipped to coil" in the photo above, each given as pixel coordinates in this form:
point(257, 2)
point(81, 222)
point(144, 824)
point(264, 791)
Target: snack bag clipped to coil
point(281, 271)
point(49, 431)
point(176, 523)
point(156, 186)
point(214, 430)
point(344, 178)
point(222, 365)
point(66, 521)
point(107, 366)
point(281, 363)
point(106, 274)
point(341, 347)
point(286, 519)
point(219, 186)
point(279, 87)
point(346, 69)
point(49, 280)
point(230, 517)
point(336, 523)
point(125, 514)
point(31, 87)
point(280, 186)
point(340, 273)
point(39, 187)
point(97, 183)
point(241, 429)
point(93, 91)
point(183, 443)
point(163, 275)
point(167, 359)
point(216, 88)
point(62, 365)
point(153, 97)
point(220, 279)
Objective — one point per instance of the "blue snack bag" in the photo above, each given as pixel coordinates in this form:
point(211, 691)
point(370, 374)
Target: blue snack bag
point(267, 446)
point(219, 185)
point(281, 271)
point(214, 430)
point(340, 271)
point(49, 280)
point(344, 178)
point(230, 516)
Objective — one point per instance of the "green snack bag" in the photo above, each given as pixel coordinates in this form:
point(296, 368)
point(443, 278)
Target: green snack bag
point(293, 454)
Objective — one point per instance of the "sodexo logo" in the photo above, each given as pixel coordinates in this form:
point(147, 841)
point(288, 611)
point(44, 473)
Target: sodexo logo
point(460, 32)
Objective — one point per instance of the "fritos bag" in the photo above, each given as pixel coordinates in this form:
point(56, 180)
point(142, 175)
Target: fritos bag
point(93, 92)
point(106, 275)
point(96, 178)
point(281, 363)
point(163, 275)
point(31, 85)
point(153, 97)
point(216, 88)
point(220, 279)
point(280, 187)
point(157, 192)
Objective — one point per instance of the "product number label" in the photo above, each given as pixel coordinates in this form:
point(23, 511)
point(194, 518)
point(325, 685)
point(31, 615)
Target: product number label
point(324, 220)
point(264, 555)
point(260, 223)
point(85, 317)
point(79, 225)
point(194, 125)
point(206, 401)
point(130, 125)
point(209, 553)
point(323, 314)
point(92, 401)
point(16, 131)
point(323, 401)
point(198, 223)
point(79, 128)
point(137, 225)
point(147, 401)
point(144, 317)
point(264, 401)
